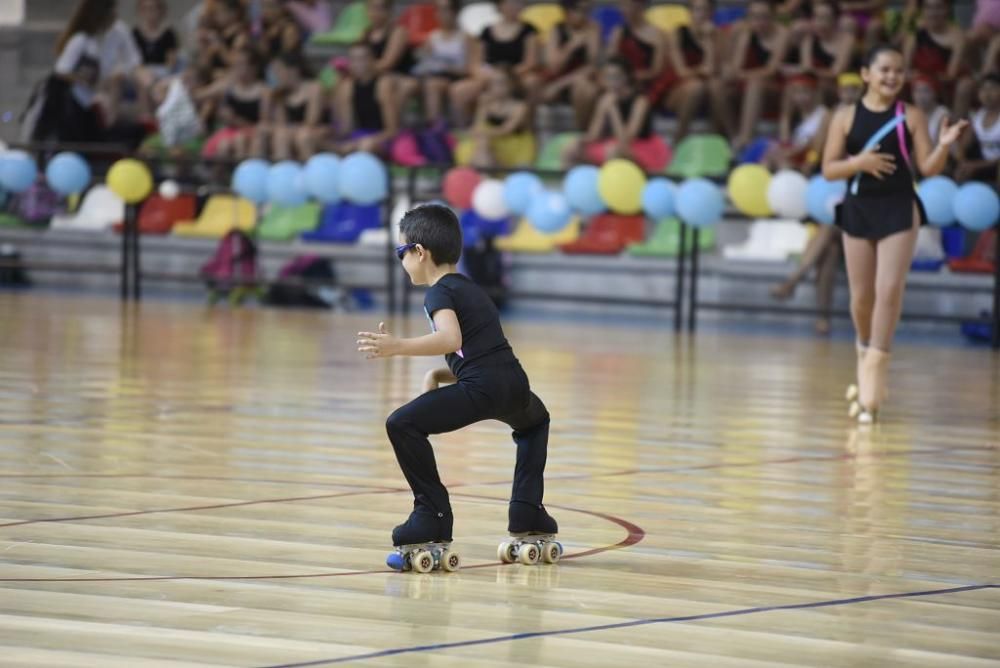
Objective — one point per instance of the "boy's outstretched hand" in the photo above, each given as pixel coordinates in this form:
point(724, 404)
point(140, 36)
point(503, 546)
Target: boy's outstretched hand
point(377, 344)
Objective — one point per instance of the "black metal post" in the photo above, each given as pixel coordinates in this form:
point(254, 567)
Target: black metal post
point(693, 297)
point(132, 221)
point(126, 260)
point(679, 288)
point(996, 294)
point(390, 248)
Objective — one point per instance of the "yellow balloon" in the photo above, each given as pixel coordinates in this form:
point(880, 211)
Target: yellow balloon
point(748, 190)
point(130, 180)
point(620, 184)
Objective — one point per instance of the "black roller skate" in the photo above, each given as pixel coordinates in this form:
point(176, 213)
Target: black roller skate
point(533, 535)
point(422, 543)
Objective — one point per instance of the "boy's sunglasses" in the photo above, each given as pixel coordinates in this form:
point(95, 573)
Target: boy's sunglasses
point(401, 251)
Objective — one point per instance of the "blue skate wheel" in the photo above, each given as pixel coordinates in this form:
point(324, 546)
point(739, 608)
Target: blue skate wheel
point(396, 561)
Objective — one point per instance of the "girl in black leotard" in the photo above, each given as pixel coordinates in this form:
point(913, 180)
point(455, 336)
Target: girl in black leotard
point(298, 110)
point(366, 111)
point(391, 46)
point(508, 43)
point(279, 35)
point(825, 53)
point(692, 55)
point(881, 212)
point(502, 117)
point(571, 54)
point(243, 101)
point(938, 49)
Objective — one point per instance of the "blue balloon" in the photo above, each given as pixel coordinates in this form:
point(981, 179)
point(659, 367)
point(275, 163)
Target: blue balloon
point(938, 194)
point(286, 185)
point(519, 190)
point(18, 171)
point(700, 202)
point(580, 189)
point(822, 197)
point(550, 212)
point(67, 173)
point(363, 179)
point(977, 206)
point(658, 199)
point(322, 172)
point(250, 180)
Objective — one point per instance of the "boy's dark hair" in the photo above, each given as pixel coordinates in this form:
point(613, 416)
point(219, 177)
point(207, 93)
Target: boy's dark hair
point(436, 228)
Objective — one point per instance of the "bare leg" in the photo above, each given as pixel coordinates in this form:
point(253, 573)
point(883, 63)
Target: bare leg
point(305, 142)
point(721, 109)
point(463, 97)
point(895, 253)
point(815, 249)
point(435, 90)
point(753, 103)
point(281, 148)
point(860, 256)
point(826, 281)
point(582, 96)
point(686, 104)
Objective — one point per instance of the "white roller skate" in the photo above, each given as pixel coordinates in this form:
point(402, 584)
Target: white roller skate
point(529, 548)
point(424, 558)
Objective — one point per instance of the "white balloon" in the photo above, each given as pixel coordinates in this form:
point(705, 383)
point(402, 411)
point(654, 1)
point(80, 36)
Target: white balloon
point(170, 190)
point(487, 200)
point(786, 194)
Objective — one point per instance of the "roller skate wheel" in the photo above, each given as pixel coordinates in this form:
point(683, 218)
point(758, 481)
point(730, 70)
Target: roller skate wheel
point(506, 553)
point(527, 554)
point(852, 392)
point(551, 552)
point(396, 561)
point(855, 409)
point(422, 561)
point(450, 561)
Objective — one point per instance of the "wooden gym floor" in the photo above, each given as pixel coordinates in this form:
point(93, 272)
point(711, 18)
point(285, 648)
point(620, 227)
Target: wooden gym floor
point(184, 487)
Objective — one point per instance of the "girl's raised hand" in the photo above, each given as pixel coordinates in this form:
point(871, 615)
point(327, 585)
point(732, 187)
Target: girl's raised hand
point(951, 132)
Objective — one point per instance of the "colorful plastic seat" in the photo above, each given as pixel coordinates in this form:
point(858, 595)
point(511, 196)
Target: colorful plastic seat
point(420, 21)
point(527, 239)
point(551, 156)
point(100, 210)
point(345, 222)
point(725, 16)
point(221, 214)
point(543, 16)
point(608, 17)
point(608, 234)
point(517, 150)
point(284, 223)
point(652, 154)
point(9, 220)
point(158, 214)
point(668, 17)
point(771, 240)
point(700, 155)
point(478, 16)
point(350, 26)
point(665, 241)
point(982, 259)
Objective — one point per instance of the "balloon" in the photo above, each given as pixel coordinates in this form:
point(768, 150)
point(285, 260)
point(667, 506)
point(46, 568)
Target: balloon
point(519, 189)
point(458, 185)
point(786, 194)
point(286, 184)
point(747, 187)
point(580, 188)
point(362, 179)
point(938, 195)
point(977, 206)
point(822, 197)
point(130, 179)
point(169, 190)
point(550, 212)
point(487, 200)
point(700, 202)
point(18, 171)
point(67, 173)
point(658, 199)
point(250, 180)
point(321, 176)
point(620, 183)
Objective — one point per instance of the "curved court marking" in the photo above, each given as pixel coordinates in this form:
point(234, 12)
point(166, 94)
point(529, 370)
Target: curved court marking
point(634, 535)
point(637, 622)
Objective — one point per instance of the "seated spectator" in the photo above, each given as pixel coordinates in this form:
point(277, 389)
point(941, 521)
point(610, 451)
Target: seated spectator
point(826, 50)
point(155, 38)
point(985, 23)
point(444, 59)
point(391, 47)
point(508, 43)
point(279, 34)
point(850, 88)
point(937, 50)
point(571, 54)
point(226, 32)
point(312, 16)
point(980, 150)
point(863, 18)
point(622, 125)
point(801, 129)
point(297, 110)
point(643, 47)
point(991, 60)
point(924, 90)
point(365, 112)
point(755, 68)
point(242, 101)
point(502, 116)
point(692, 54)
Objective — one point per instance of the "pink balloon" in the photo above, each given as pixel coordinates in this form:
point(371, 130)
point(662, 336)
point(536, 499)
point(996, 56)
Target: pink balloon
point(459, 184)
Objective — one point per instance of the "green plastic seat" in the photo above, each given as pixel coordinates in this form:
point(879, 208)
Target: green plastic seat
point(352, 22)
point(701, 155)
point(666, 238)
point(551, 155)
point(283, 223)
point(8, 220)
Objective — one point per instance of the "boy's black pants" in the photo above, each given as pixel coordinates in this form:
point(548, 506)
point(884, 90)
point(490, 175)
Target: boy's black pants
point(489, 393)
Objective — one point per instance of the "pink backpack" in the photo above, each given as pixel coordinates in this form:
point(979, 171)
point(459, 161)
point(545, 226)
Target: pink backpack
point(234, 264)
